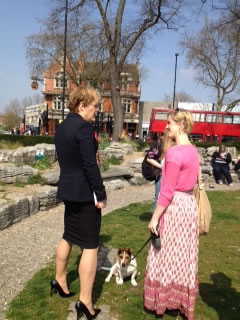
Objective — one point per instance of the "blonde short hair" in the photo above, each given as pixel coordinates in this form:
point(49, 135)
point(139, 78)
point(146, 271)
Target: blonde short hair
point(183, 116)
point(84, 95)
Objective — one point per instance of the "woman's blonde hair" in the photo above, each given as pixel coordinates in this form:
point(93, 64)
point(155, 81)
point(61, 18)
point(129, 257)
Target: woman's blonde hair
point(84, 95)
point(167, 143)
point(183, 116)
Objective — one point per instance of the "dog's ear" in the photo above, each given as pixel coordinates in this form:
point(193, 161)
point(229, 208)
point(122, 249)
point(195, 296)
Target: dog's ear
point(120, 250)
point(129, 251)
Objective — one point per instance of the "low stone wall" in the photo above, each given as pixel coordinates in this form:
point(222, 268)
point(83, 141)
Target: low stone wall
point(15, 207)
point(26, 155)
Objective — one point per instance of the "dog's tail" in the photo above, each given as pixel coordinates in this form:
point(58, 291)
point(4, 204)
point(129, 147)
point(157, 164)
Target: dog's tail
point(105, 268)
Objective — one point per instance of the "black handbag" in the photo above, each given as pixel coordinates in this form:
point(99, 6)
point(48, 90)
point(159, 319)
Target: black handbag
point(156, 240)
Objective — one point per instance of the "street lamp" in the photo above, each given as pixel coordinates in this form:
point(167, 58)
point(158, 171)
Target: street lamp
point(176, 55)
point(64, 58)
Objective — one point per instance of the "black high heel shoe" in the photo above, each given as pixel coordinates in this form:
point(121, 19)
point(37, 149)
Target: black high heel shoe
point(82, 310)
point(55, 287)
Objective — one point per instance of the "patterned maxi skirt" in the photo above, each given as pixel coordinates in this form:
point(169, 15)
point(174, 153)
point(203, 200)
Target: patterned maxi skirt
point(171, 280)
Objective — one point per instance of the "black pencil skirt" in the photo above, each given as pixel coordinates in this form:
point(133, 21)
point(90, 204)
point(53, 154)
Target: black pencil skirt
point(82, 223)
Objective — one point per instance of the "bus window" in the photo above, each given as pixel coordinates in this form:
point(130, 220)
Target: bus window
point(210, 118)
point(236, 119)
point(228, 119)
point(229, 138)
point(215, 138)
point(208, 137)
point(161, 115)
point(198, 117)
point(196, 137)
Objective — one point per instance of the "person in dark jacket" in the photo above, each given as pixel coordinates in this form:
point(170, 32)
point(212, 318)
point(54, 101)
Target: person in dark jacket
point(220, 163)
point(83, 193)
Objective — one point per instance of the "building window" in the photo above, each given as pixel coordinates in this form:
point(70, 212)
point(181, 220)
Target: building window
point(59, 80)
point(127, 105)
point(57, 103)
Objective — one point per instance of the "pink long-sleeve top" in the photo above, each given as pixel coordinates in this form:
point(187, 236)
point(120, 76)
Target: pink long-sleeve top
point(179, 172)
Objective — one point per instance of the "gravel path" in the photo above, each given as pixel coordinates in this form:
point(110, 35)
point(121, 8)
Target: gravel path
point(29, 245)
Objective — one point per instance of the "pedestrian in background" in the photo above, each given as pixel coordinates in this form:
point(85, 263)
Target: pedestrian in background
point(220, 163)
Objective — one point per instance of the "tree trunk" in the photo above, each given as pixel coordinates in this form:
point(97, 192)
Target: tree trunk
point(116, 100)
point(219, 100)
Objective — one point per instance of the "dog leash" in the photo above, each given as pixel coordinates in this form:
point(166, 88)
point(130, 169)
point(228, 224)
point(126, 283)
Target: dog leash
point(142, 247)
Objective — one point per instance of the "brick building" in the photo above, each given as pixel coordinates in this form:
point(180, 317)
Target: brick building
point(96, 75)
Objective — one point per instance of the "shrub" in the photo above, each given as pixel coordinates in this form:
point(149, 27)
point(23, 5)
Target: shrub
point(142, 145)
point(43, 164)
point(27, 140)
point(114, 161)
point(36, 179)
point(103, 143)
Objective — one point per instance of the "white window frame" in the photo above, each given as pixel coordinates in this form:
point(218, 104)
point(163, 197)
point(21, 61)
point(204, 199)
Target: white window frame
point(58, 81)
point(127, 105)
point(57, 103)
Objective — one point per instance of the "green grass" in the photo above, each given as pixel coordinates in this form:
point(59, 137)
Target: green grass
point(111, 161)
point(43, 164)
point(36, 179)
point(103, 143)
point(219, 282)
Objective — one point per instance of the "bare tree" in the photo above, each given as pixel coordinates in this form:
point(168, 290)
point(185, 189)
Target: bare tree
point(214, 52)
point(180, 96)
point(114, 32)
point(12, 114)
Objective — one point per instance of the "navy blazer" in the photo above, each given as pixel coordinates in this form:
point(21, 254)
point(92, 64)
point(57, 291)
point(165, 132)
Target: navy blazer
point(76, 151)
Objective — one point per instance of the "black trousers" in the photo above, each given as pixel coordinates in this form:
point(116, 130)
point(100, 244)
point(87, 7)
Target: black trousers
point(222, 169)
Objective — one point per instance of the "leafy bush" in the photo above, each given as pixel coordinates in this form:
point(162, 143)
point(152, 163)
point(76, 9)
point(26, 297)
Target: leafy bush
point(27, 140)
point(37, 179)
point(43, 164)
point(103, 143)
point(142, 145)
point(114, 161)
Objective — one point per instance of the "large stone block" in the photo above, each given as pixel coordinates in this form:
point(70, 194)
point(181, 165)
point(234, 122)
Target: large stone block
point(20, 208)
point(47, 198)
point(10, 173)
point(136, 165)
point(6, 215)
point(138, 179)
point(33, 203)
point(116, 172)
point(116, 184)
point(51, 177)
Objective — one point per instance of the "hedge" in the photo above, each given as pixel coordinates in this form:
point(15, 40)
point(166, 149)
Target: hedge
point(27, 140)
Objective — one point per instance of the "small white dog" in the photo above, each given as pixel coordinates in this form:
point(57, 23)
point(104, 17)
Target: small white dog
point(124, 267)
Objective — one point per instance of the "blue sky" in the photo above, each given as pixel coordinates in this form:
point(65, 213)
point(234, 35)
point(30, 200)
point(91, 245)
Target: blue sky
point(18, 20)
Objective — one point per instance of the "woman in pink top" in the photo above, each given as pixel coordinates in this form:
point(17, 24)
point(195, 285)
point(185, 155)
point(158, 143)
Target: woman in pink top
point(171, 280)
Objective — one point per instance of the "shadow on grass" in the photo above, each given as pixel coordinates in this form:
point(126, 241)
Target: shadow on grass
point(221, 296)
point(104, 238)
point(145, 216)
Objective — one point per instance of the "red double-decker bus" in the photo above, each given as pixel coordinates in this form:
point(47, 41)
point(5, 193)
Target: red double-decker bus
point(208, 125)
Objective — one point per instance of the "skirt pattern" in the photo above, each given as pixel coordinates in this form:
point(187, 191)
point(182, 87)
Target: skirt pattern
point(170, 280)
